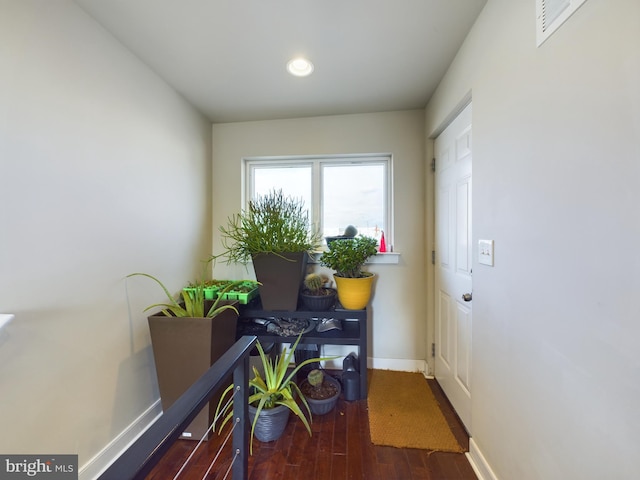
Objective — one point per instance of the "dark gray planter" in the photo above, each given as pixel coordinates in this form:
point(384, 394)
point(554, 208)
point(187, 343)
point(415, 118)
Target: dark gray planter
point(280, 277)
point(322, 407)
point(271, 422)
point(318, 303)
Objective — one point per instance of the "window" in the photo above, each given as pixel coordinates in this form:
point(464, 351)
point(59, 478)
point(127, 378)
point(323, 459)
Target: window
point(337, 190)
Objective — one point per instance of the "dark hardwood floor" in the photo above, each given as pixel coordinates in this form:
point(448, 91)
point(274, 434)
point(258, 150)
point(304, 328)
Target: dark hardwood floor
point(340, 448)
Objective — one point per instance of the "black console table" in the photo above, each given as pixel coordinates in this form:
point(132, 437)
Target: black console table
point(354, 330)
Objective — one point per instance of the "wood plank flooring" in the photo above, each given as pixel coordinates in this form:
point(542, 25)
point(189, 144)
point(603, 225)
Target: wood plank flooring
point(340, 448)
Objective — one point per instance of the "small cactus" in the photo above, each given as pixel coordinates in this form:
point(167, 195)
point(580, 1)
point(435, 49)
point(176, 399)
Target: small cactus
point(315, 378)
point(313, 282)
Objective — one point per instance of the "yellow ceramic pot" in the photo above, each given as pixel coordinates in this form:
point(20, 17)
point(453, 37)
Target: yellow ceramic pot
point(354, 293)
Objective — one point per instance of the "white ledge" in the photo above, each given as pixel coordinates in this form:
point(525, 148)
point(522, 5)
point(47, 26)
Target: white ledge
point(388, 258)
point(5, 318)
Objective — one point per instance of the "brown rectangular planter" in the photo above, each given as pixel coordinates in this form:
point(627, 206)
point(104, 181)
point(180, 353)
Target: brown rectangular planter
point(185, 348)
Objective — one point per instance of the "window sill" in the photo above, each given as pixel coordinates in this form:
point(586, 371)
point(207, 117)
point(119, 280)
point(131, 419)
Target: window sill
point(386, 258)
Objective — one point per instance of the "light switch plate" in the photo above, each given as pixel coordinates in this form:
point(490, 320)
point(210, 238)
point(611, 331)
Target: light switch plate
point(485, 252)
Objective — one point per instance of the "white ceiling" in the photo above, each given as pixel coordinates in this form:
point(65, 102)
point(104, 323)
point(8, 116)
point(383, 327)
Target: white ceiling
point(228, 57)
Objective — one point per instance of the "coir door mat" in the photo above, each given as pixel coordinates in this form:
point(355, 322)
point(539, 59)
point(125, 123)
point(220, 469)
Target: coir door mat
point(404, 413)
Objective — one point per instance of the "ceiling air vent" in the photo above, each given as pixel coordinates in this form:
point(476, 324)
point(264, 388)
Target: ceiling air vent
point(551, 14)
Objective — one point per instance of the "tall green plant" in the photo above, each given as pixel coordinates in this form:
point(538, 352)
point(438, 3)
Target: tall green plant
point(276, 388)
point(347, 256)
point(273, 223)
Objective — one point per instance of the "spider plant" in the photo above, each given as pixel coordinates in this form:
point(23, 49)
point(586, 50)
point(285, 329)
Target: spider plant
point(275, 388)
point(193, 304)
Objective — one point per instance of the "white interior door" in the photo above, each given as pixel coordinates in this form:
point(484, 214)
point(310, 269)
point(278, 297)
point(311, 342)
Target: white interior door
point(454, 263)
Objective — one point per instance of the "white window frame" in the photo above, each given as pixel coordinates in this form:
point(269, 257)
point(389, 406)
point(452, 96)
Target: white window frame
point(316, 162)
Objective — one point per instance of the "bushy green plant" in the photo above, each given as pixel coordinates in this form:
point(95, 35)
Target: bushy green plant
point(347, 256)
point(273, 223)
point(275, 388)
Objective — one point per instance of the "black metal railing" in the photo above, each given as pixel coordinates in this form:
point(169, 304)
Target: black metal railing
point(140, 458)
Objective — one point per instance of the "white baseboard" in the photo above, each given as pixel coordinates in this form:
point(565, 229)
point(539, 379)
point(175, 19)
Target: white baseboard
point(398, 364)
point(99, 463)
point(479, 463)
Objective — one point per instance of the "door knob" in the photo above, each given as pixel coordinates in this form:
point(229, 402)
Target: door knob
point(466, 297)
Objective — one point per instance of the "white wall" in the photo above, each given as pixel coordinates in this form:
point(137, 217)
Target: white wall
point(398, 321)
point(104, 170)
point(556, 363)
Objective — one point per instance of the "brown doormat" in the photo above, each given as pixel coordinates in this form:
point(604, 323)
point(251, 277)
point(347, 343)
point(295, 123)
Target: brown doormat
point(404, 413)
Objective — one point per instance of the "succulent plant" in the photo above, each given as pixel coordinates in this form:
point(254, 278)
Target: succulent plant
point(348, 256)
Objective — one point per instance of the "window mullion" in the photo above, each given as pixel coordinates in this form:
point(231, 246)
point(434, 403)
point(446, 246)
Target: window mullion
point(316, 195)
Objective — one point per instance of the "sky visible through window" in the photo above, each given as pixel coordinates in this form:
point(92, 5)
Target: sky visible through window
point(352, 194)
point(294, 181)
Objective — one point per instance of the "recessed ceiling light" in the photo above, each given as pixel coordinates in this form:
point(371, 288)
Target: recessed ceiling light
point(300, 67)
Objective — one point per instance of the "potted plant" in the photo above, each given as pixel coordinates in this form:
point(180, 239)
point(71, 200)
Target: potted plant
point(272, 396)
point(188, 335)
point(210, 291)
point(347, 257)
point(349, 232)
point(275, 233)
point(321, 392)
point(315, 296)
point(244, 291)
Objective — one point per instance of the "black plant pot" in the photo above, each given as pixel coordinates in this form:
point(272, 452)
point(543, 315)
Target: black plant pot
point(271, 422)
point(325, 405)
point(319, 303)
point(280, 276)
